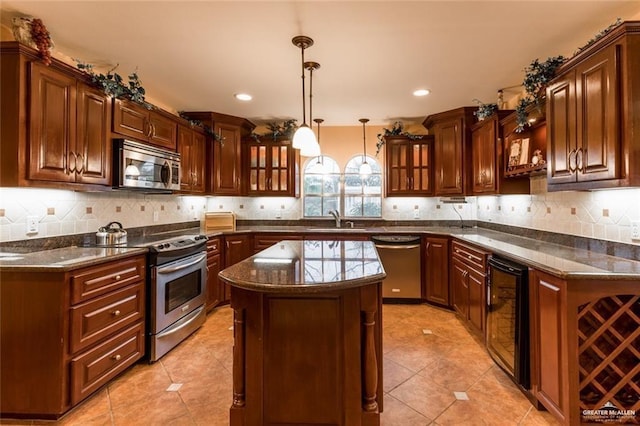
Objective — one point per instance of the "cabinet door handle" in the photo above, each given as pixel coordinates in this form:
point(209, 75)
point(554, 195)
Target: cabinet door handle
point(116, 313)
point(580, 154)
point(117, 277)
point(116, 357)
point(427, 247)
point(81, 169)
point(148, 132)
point(75, 160)
point(571, 160)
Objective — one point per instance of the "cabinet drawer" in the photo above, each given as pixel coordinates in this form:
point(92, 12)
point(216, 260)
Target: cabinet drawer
point(261, 242)
point(213, 246)
point(96, 367)
point(95, 281)
point(470, 256)
point(101, 317)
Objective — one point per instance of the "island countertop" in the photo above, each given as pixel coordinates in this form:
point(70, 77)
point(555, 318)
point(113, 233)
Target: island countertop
point(310, 266)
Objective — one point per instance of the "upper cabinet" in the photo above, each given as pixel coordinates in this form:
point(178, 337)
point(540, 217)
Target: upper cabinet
point(409, 166)
point(55, 127)
point(224, 155)
point(192, 145)
point(593, 115)
point(133, 120)
point(487, 162)
point(452, 150)
point(270, 167)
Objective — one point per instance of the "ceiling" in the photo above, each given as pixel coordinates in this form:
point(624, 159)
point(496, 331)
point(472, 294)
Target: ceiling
point(194, 55)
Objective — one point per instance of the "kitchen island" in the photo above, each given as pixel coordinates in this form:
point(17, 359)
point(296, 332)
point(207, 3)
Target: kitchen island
point(307, 334)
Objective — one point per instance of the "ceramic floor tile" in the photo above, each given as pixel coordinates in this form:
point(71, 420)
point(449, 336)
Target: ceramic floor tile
point(421, 372)
point(424, 396)
point(397, 413)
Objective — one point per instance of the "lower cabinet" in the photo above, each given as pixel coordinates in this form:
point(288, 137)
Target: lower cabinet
point(469, 283)
point(66, 334)
point(215, 289)
point(263, 241)
point(436, 274)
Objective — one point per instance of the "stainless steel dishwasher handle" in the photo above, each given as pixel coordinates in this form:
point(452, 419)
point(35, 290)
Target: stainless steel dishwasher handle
point(413, 246)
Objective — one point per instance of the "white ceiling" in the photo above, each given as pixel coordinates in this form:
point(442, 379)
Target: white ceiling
point(194, 55)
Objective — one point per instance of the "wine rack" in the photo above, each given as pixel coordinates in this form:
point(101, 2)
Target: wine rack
point(609, 352)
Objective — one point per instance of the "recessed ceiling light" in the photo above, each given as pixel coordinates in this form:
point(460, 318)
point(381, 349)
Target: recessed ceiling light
point(243, 96)
point(421, 92)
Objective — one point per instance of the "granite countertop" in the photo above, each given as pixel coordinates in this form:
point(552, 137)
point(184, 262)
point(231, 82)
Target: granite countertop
point(562, 261)
point(309, 266)
point(63, 259)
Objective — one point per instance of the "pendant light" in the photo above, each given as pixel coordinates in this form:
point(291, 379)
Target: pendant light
point(365, 167)
point(311, 148)
point(304, 135)
point(318, 167)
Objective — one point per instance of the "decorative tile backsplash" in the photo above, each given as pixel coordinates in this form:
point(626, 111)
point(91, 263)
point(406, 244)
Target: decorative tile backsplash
point(605, 215)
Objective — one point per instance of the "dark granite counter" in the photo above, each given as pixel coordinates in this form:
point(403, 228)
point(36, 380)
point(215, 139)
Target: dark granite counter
point(308, 267)
point(63, 259)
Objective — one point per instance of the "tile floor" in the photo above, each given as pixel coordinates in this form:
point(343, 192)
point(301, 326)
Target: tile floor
point(429, 358)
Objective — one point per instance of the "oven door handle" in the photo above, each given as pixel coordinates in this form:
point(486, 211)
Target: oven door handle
point(187, 320)
point(181, 267)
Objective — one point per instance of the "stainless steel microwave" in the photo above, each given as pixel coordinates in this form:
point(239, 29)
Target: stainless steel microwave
point(142, 167)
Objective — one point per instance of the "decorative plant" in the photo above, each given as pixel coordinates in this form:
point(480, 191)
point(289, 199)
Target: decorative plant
point(113, 84)
point(396, 130)
point(599, 36)
point(484, 110)
point(537, 76)
point(207, 129)
point(286, 129)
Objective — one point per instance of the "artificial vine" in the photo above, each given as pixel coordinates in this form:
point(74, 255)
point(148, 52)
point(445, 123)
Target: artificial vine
point(284, 130)
point(396, 130)
point(537, 76)
point(207, 129)
point(113, 84)
point(484, 110)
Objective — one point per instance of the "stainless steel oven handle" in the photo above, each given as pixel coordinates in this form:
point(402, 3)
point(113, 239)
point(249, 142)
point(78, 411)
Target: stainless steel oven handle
point(181, 267)
point(187, 320)
point(413, 246)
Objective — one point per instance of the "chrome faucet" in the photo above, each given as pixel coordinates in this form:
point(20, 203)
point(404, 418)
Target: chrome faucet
point(336, 216)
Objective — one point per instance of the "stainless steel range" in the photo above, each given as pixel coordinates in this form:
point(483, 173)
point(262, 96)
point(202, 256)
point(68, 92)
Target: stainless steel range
point(177, 291)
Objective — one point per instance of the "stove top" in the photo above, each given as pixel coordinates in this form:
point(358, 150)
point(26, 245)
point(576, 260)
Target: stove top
point(177, 243)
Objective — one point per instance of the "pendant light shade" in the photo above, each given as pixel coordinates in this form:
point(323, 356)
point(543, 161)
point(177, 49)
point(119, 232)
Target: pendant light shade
point(365, 167)
point(304, 139)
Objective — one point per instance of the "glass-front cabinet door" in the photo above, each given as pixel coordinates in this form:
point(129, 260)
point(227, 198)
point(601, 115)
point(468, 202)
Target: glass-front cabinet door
point(271, 168)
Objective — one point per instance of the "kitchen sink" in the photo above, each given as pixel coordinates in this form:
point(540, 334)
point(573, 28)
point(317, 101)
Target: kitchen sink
point(337, 229)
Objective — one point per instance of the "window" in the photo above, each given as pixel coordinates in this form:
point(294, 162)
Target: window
point(358, 197)
point(321, 186)
point(362, 196)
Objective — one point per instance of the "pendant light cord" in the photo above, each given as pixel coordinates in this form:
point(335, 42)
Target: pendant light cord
point(304, 112)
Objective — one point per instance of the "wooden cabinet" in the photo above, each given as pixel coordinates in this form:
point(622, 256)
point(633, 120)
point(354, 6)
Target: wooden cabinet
point(592, 111)
point(488, 164)
point(55, 127)
point(468, 283)
point(66, 334)
point(409, 166)
point(263, 241)
point(270, 167)
point(584, 344)
point(452, 150)
point(192, 148)
point(224, 155)
point(215, 288)
point(436, 273)
point(236, 249)
point(152, 126)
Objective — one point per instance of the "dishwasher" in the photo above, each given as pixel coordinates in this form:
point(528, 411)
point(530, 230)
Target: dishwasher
point(400, 257)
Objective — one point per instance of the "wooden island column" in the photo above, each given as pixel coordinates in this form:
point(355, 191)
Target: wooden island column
point(307, 334)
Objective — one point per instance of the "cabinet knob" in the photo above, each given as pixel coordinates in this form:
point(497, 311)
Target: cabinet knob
point(117, 277)
point(470, 257)
point(116, 357)
point(116, 313)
